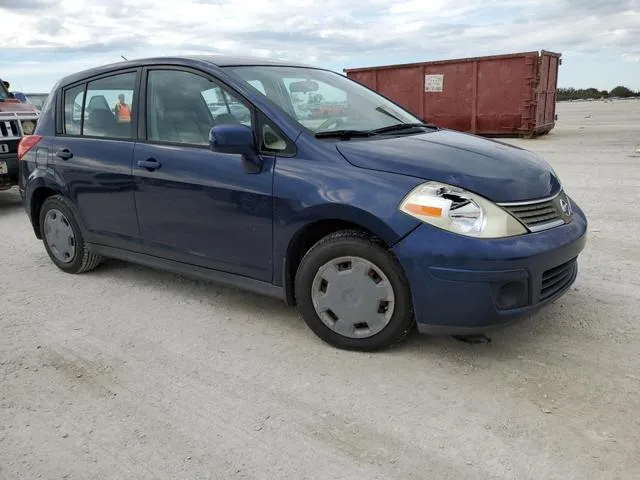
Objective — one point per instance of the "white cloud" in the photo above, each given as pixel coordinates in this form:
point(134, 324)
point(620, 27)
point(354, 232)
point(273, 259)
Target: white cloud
point(322, 31)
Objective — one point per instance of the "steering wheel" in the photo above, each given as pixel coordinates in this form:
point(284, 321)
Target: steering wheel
point(337, 121)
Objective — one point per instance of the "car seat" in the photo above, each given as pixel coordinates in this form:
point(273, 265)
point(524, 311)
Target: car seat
point(181, 127)
point(101, 123)
point(176, 119)
point(97, 102)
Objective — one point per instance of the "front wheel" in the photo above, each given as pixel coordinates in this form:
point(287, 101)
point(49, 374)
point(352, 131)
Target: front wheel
point(353, 294)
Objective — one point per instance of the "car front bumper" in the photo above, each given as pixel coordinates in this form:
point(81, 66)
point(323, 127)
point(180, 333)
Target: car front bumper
point(462, 285)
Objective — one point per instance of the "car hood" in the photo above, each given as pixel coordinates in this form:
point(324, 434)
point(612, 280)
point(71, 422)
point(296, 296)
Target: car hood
point(495, 170)
point(16, 107)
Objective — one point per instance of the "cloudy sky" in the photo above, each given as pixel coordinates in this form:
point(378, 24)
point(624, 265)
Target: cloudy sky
point(43, 40)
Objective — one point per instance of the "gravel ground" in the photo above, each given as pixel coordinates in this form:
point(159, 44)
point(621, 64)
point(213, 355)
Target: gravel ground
point(131, 373)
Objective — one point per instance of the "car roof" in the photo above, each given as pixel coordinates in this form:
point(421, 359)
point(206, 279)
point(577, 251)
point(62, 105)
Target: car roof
point(236, 61)
point(217, 60)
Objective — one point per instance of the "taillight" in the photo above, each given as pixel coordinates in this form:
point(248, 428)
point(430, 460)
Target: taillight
point(27, 143)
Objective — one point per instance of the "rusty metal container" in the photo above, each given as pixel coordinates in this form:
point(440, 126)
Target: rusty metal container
point(500, 95)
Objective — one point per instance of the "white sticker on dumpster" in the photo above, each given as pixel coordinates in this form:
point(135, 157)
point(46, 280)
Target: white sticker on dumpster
point(433, 83)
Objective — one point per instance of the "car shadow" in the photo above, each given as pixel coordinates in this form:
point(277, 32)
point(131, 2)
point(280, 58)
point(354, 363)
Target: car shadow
point(204, 292)
point(10, 200)
point(530, 339)
point(505, 344)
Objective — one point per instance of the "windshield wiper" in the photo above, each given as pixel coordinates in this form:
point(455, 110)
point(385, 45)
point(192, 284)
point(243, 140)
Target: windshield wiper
point(345, 134)
point(402, 126)
point(381, 109)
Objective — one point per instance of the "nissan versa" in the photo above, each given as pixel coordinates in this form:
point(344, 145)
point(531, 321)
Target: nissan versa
point(368, 219)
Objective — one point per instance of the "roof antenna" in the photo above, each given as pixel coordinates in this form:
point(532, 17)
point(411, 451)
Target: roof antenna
point(124, 58)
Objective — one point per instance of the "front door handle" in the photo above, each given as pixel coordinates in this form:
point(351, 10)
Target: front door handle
point(150, 164)
point(64, 154)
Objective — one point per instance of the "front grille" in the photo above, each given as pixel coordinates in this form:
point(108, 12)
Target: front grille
point(537, 214)
point(541, 215)
point(557, 279)
point(9, 129)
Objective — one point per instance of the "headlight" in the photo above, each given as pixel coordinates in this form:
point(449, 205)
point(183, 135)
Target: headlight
point(458, 211)
point(28, 127)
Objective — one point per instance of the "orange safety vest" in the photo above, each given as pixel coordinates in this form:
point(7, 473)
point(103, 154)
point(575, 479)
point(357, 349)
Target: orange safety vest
point(124, 113)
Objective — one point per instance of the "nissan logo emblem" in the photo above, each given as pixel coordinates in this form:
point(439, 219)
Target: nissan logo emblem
point(4, 148)
point(565, 206)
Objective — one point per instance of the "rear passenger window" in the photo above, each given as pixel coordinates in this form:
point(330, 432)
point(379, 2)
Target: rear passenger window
point(107, 110)
point(73, 98)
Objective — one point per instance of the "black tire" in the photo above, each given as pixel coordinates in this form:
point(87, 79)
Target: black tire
point(83, 260)
point(358, 244)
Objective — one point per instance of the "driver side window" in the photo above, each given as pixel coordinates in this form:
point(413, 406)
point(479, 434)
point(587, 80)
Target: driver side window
point(182, 107)
point(221, 102)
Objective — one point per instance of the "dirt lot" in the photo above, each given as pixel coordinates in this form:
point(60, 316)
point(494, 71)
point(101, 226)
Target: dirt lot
point(128, 373)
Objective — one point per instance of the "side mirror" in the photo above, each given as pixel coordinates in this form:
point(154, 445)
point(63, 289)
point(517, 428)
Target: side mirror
point(236, 139)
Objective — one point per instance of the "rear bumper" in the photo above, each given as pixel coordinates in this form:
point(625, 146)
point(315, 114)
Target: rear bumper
point(462, 285)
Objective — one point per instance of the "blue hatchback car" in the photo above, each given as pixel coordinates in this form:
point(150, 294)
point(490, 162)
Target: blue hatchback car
point(371, 221)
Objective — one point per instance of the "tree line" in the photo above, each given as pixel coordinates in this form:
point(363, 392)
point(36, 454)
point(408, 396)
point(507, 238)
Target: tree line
point(587, 93)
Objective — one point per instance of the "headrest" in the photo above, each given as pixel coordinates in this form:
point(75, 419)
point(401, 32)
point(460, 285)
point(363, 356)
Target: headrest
point(98, 102)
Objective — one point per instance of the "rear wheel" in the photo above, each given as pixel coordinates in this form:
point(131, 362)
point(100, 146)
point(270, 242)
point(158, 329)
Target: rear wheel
point(353, 294)
point(63, 239)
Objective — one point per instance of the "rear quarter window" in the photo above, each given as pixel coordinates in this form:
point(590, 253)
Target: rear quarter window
point(73, 100)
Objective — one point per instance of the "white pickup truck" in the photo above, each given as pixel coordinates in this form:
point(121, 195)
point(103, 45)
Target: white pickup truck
point(16, 120)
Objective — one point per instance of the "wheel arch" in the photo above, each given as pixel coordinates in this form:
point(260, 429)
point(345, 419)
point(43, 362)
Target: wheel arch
point(38, 198)
point(41, 189)
point(308, 234)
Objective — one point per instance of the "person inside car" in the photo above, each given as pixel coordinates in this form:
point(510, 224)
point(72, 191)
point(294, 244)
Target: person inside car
point(122, 110)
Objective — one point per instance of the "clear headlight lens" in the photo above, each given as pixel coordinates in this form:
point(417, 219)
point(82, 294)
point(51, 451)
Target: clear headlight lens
point(28, 127)
point(459, 211)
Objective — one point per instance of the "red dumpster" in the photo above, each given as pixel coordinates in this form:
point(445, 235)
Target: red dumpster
point(510, 95)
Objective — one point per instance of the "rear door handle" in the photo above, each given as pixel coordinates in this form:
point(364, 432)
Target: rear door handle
point(64, 154)
point(150, 164)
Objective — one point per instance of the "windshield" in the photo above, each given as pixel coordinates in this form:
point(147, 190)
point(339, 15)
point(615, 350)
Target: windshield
point(4, 93)
point(37, 100)
point(324, 101)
